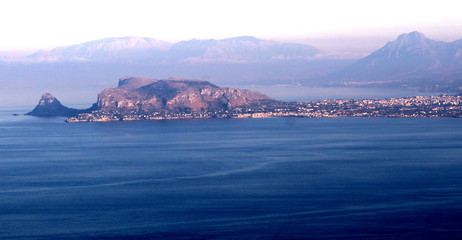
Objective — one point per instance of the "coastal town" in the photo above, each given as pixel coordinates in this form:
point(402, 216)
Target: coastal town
point(419, 106)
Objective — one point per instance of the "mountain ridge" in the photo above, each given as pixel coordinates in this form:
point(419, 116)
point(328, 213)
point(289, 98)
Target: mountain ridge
point(235, 49)
point(412, 60)
point(103, 50)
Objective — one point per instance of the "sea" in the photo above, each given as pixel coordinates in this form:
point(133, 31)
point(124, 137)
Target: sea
point(275, 178)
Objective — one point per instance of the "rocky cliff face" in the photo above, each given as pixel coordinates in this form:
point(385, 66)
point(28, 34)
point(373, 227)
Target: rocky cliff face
point(49, 106)
point(147, 95)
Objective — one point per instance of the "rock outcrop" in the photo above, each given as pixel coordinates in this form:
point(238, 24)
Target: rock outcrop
point(174, 94)
point(49, 106)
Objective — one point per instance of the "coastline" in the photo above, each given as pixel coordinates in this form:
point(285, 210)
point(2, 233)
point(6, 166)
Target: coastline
point(410, 107)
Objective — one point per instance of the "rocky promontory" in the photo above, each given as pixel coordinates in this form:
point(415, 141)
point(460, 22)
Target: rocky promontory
point(174, 94)
point(143, 99)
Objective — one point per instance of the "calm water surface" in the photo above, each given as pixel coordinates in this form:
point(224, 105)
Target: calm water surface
point(293, 178)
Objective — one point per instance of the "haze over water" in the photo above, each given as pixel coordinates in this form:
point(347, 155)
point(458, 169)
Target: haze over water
point(282, 178)
point(345, 178)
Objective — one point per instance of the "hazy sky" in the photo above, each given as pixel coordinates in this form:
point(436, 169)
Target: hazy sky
point(28, 25)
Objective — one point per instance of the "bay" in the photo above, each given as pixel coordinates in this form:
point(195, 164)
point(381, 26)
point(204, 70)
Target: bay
point(281, 178)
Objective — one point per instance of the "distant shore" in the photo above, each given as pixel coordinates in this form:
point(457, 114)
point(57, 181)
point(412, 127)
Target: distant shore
point(419, 106)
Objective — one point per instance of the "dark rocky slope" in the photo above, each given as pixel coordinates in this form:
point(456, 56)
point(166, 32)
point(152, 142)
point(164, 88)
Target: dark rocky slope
point(49, 106)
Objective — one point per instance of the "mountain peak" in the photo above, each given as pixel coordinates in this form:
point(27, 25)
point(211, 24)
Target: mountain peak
point(50, 106)
point(410, 60)
point(411, 36)
point(243, 38)
point(48, 98)
point(409, 44)
point(415, 38)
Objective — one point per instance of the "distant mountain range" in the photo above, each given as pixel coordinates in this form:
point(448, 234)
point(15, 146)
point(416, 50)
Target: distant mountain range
point(231, 61)
point(128, 49)
point(412, 61)
point(109, 49)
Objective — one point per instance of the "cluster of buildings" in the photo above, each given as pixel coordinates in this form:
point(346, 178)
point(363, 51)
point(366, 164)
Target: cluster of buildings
point(420, 106)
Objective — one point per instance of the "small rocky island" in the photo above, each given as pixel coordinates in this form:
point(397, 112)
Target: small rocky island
point(49, 106)
point(151, 99)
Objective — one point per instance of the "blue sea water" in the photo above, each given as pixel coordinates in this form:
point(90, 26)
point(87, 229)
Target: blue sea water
point(282, 178)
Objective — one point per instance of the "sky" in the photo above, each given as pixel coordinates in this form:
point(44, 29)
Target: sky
point(337, 25)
